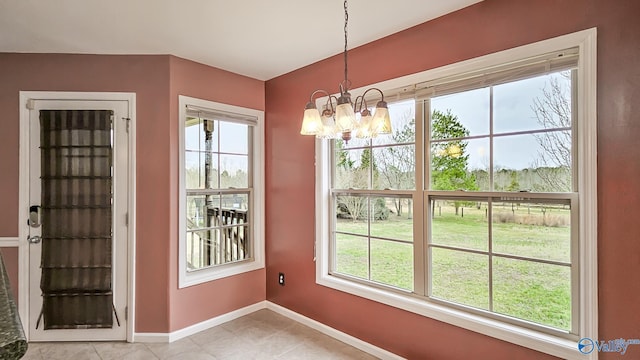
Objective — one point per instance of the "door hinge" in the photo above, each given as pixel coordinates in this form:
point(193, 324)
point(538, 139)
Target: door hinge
point(126, 313)
point(128, 121)
point(31, 104)
point(126, 219)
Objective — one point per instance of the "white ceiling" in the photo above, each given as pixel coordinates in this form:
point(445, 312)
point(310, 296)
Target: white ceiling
point(257, 38)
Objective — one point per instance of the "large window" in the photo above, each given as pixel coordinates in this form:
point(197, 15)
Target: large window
point(473, 210)
point(221, 181)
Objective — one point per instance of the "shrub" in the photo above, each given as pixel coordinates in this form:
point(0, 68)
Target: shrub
point(531, 219)
point(380, 209)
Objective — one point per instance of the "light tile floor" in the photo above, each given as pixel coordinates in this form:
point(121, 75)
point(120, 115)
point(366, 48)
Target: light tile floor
point(263, 334)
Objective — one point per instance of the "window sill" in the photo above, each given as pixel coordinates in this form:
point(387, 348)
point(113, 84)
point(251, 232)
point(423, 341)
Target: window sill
point(553, 345)
point(201, 276)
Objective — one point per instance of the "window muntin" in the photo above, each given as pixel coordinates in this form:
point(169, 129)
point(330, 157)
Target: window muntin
point(478, 156)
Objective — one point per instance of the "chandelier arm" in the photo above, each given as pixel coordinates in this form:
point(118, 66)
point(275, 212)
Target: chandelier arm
point(329, 103)
point(363, 102)
point(316, 92)
point(376, 89)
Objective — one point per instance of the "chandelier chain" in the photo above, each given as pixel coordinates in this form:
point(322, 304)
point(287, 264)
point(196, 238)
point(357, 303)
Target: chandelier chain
point(346, 20)
point(341, 120)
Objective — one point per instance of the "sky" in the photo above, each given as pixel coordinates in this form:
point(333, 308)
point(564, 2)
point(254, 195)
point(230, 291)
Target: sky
point(229, 139)
point(512, 106)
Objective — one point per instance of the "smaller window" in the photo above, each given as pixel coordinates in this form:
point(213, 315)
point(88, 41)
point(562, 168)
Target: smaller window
point(221, 192)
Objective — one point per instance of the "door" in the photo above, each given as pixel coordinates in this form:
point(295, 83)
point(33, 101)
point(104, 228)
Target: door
point(78, 200)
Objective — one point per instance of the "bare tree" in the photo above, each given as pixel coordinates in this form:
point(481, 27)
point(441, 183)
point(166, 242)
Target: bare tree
point(553, 111)
point(352, 175)
point(396, 164)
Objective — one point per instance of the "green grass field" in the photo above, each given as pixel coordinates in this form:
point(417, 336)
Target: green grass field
point(529, 290)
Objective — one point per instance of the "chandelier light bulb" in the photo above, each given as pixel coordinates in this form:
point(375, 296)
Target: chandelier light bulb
point(365, 130)
point(311, 122)
point(328, 130)
point(345, 117)
point(381, 121)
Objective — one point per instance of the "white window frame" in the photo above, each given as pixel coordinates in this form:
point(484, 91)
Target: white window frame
point(586, 165)
point(190, 278)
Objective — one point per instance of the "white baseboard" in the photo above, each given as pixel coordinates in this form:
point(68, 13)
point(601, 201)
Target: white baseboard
point(150, 337)
point(218, 320)
point(196, 328)
point(9, 242)
point(336, 334)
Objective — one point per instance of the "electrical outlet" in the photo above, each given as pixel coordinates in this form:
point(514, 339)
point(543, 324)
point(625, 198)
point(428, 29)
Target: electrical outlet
point(281, 279)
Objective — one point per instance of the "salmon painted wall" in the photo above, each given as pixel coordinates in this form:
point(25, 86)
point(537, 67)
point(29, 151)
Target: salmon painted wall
point(148, 77)
point(486, 27)
point(201, 302)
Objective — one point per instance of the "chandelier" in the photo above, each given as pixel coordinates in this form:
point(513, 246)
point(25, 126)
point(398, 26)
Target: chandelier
point(338, 117)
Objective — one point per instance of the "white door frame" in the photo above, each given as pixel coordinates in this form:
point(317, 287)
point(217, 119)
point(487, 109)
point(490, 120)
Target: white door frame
point(23, 195)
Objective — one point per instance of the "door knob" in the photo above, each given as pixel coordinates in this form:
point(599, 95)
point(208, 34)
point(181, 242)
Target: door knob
point(34, 239)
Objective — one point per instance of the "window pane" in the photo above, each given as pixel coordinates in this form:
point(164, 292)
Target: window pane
point(192, 133)
point(460, 224)
point(349, 215)
point(392, 218)
point(394, 167)
point(201, 248)
point(233, 244)
point(233, 241)
point(533, 291)
point(195, 134)
point(536, 162)
point(235, 201)
point(352, 169)
point(542, 102)
point(460, 277)
point(355, 209)
point(194, 170)
point(460, 114)
point(535, 230)
point(352, 255)
point(234, 171)
point(392, 263)
point(197, 174)
point(197, 215)
point(460, 165)
point(234, 138)
point(236, 242)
